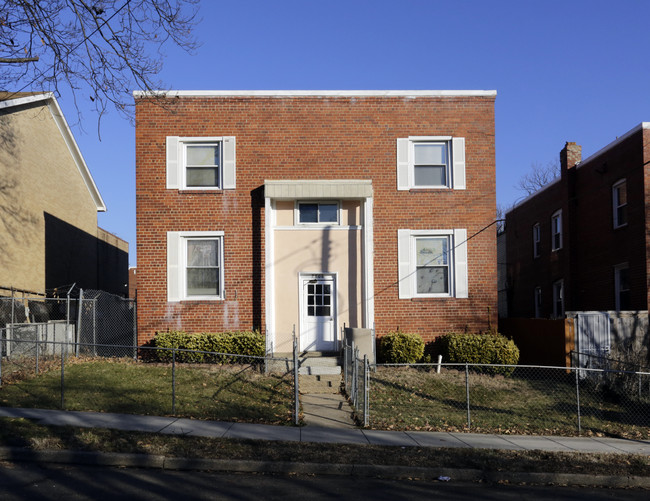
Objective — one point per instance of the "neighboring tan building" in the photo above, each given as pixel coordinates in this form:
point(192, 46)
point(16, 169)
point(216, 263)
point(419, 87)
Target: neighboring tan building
point(304, 211)
point(580, 243)
point(49, 203)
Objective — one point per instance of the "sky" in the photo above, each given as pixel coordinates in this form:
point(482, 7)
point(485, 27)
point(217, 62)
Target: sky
point(570, 70)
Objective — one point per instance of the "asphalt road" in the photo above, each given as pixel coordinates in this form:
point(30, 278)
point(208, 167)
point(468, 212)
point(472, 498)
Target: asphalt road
point(22, 481)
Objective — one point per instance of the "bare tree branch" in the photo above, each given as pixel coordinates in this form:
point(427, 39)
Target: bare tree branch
point(538, 176)
point(100, 49)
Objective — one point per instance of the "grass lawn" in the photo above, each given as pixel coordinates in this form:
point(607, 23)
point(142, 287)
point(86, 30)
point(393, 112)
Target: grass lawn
point(225, 393)
point(540, 403)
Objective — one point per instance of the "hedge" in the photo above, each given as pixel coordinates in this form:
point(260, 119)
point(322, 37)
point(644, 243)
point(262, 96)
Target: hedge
point(251, 343)
point(489, 348)
point(400, 348)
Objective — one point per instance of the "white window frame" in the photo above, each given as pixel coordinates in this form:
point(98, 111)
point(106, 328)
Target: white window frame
point(455, 170)
point(177, 162)
point(457, 263)
point(557, 216)
point(177, 264)
point(537, 239)
point(538, 302)
point(616, 204)
point(558, 296)
point(296, 213)
point(617, 283)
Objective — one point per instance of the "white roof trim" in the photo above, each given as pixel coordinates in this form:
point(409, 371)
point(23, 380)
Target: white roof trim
point(315, 93)
point(324, 189)
point(641, 126)
point(66, 133)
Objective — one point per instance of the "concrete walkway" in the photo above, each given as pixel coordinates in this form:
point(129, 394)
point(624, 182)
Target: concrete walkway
point(329, 410)
point(315, 433)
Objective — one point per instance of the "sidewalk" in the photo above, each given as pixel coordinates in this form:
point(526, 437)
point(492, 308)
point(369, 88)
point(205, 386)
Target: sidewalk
point(312, 433)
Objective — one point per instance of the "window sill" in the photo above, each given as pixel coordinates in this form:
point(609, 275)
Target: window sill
point(191, 191)
point(620, 226)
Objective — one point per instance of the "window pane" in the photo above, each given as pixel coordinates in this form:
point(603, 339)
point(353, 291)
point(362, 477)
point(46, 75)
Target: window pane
point(427, 175)
point(308, 213)
point(202, 252)
point(432, 280)
point(621, 193)
point(322, 311)
point(431, 251)
point(202, 176)
point(431, 154)
point(328, 213)
point(202, 281)
point(202, 154)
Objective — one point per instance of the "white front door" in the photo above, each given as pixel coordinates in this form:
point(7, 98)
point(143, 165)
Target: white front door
point(318, 310)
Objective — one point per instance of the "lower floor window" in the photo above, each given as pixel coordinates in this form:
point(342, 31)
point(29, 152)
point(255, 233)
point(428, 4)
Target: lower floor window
point(195, 265)
point(558, 299)
point(622, 285)
point(432, 263)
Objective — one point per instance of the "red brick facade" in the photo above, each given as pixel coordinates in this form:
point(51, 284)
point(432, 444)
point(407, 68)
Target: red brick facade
point(314, 137)
point(592, 246)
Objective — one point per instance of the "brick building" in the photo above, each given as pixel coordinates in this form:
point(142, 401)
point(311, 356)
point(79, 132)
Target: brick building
point(579, 244)
point(315, 209)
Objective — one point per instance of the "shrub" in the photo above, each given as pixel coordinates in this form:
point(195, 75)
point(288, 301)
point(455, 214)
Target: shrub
point(249, 343)
point(490, 348)
point(400, 348)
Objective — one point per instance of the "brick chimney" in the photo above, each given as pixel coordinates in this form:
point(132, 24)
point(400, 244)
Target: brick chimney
point(570, 155)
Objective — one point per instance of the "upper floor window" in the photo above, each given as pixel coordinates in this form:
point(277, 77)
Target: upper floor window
point(431, 162)
point(619, 202)
point(537, 239)
point(556, 230)
point(200, 163)
point(432, 263)
point(318, 213)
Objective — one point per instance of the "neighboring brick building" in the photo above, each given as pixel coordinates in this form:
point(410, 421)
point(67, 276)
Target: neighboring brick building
point(48, 204)
point(579, 244)
point(315, 209)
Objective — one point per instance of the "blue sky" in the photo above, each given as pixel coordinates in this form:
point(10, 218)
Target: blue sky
point(563, 71)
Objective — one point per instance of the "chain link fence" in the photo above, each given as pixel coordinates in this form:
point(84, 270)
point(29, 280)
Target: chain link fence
point(500, 399)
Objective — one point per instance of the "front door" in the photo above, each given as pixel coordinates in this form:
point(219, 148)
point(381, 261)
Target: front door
point(318, 305)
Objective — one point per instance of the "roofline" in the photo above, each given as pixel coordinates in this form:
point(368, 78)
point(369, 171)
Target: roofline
point(532, 195)
point(71, 143)
point(315, 93)
point(617, 141)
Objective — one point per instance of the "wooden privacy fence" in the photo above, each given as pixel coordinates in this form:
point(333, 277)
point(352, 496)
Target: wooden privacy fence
point(541, 341)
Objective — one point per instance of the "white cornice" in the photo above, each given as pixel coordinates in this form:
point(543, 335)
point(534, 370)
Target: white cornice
point(618, 140)
point(315, 93)
point(49, 99)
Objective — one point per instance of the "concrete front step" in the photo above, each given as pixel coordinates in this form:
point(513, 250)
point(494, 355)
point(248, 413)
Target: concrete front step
point(322, 383)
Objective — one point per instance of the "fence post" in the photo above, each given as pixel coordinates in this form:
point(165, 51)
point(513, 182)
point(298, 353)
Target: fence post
point(95, 326)
point(174, 381)
point(135, 326)
point(37, 350)
point(366, 382)
point(62, 378)
point(345, 368)
point(578, 400)
point(469, 417)
point(79, 308)
point(11, 329)
point(296, 390)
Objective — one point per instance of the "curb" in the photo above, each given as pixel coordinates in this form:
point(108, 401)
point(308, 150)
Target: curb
point(126, 460)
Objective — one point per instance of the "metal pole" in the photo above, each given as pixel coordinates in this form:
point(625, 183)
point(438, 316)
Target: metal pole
point(173, 380)
point(62, 379)
point(79, 308)
point(366, 372)
point(37, 350)
point(296, 389)
point(135, 326)
point(469, 417)
point(95, 327)
point(11, 329)
point(345, 367)
point(578, 401)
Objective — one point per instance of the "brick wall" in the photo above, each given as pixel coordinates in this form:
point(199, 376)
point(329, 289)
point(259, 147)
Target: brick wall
point(591, 246)
point(314, 138)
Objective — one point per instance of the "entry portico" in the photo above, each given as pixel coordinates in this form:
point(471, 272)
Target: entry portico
point(319, 271)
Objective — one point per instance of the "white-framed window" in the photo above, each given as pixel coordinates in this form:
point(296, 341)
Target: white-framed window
point(622, 286)
point(558, 299)
point(537, 239)
point(431, 162)
point(319, 213)
point(619, 203)
point(538, 302)
point(201, 163)
point(556, 230)
point(432, 263)
point(195, 268)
